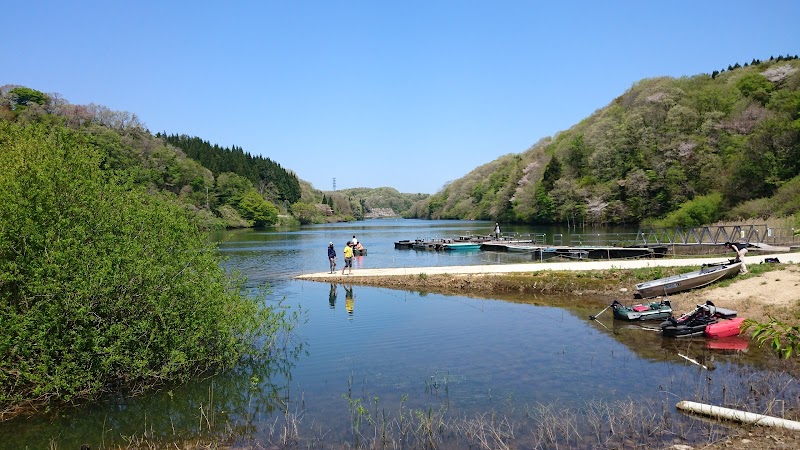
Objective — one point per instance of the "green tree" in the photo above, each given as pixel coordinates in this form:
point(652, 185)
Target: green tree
point(231, 187)
point(577, 156)
point(25, 96)
point(306, 213)
point(753, 82)
point(253, 207)
point(698, 211)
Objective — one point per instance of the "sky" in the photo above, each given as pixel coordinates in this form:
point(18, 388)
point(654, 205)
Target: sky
point(405, 94)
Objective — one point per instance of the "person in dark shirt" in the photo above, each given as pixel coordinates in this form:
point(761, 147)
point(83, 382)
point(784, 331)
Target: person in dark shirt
point(332, 257)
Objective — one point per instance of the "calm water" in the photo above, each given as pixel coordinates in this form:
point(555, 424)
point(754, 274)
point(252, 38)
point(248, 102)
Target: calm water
point(403, 348)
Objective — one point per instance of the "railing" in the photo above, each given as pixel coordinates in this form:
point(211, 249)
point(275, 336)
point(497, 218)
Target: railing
point(715, 235)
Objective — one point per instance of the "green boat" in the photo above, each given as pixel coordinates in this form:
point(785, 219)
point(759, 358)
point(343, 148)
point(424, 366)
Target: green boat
point(462, 246)
point(648, 311)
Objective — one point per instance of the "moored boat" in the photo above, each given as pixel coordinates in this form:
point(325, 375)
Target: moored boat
point(694, 323)
point(649, 311)
point(462, 246)
point(707, 274)
point(725, 328)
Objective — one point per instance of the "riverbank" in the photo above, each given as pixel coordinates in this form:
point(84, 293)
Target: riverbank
point(759, 295)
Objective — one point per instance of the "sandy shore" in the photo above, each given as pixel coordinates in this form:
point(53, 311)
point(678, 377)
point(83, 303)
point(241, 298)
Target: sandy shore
point(793, 258)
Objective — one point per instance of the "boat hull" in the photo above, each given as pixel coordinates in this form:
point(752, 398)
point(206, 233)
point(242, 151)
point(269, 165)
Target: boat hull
point(686, 281)
point(724, 328)
point(462, 246)
point(652, 311)
point(697, 322)
point(683, 330)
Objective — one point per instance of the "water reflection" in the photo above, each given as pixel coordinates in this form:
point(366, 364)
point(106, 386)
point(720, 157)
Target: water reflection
point(332, 296)
point(241, 396)
point(349, 300)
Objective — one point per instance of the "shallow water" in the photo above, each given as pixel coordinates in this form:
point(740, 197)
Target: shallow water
point(403, 349)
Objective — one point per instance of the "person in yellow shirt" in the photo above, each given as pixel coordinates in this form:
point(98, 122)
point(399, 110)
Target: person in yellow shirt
point(348, 258)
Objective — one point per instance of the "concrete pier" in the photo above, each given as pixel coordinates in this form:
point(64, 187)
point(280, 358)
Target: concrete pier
point(791, 258)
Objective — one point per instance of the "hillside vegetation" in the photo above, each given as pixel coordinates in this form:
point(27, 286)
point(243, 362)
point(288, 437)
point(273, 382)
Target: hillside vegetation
point(676, 152)
point(230, 196)
point(224, 186)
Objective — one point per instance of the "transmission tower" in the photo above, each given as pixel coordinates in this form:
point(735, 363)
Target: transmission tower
point(334, 183)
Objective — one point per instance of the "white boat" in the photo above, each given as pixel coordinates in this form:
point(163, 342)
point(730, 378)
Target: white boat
point(707, 274)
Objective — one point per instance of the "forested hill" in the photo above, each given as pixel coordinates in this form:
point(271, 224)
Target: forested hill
point(689, 150)
point(224, 187)
point(268, 176)
point(233, 190)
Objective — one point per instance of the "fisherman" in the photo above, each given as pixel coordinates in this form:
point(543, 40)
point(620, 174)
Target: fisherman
point(741, 250)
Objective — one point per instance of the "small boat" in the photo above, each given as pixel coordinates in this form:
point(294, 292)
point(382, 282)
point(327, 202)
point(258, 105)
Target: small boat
point(694, 323)
point(359, 252)
point(650, 311)
point(462, 246)
point(425, 245)
point(707, 274)
point(725, 328)
point(404, 244)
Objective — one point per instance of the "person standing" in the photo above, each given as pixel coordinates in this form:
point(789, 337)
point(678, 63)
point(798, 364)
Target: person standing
point(741, 250)
point(496, 230)
point(348, 258)
point(354, 241)
point(332, 257)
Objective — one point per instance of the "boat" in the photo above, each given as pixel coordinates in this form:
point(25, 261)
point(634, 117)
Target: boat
point(404, 244)
point(650, 311)
point(359, 252)
point(725, 328)
point(462, 246)
point(694, 323)
point(707, 274)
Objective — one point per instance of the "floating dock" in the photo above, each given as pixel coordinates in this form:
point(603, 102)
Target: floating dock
point(539, 252)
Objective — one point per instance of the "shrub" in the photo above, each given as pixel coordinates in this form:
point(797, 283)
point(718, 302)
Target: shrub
point(696, 212)
point(104, 286)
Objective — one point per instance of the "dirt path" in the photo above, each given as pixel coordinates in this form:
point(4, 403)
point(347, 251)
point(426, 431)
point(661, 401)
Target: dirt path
point(771, 294)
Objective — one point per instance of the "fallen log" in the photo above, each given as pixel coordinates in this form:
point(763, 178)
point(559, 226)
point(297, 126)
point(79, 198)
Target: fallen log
point(739, 416)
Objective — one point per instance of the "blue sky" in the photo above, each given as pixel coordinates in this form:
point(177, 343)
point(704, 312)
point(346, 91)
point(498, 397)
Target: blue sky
point(406, 94)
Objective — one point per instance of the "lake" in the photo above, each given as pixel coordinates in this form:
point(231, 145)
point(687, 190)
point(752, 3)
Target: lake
point(393, 350)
